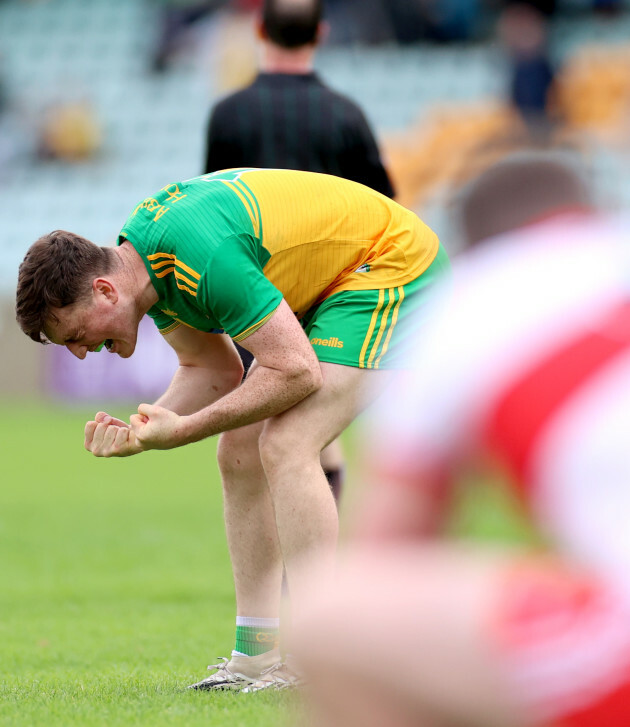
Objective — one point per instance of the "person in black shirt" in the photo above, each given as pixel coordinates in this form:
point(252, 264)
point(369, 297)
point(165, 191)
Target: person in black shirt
point(288, 118)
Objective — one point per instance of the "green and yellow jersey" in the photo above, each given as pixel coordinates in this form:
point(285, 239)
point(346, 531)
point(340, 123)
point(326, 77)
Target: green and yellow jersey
point(224, 248)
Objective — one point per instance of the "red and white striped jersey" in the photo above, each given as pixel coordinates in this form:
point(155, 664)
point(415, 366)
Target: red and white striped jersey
point(527, 362)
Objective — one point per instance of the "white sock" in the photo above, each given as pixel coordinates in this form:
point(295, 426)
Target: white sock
point(260, 623)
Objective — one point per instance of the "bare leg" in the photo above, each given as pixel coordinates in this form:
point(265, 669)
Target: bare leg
point(250, 524)
point(306, 515)
point(277, 502)
point(290, 447)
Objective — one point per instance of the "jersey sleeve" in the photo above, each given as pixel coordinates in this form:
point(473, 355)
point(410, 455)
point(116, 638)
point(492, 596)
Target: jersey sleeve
point(235, 291)
point(164, 323)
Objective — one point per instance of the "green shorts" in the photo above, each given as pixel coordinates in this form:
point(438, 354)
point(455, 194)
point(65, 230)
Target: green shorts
point(367, 328)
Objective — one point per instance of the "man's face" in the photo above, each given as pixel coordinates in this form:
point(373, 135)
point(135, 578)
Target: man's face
point(83, 327)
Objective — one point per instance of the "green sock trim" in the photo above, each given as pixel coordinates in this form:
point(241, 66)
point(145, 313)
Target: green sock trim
point(252, 640)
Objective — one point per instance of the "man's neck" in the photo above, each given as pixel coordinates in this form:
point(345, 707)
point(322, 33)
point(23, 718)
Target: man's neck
point(137, 278)
point(280, 60)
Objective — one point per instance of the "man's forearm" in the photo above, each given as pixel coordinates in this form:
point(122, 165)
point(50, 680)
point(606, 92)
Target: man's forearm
point(265, 393)
point(193, 388)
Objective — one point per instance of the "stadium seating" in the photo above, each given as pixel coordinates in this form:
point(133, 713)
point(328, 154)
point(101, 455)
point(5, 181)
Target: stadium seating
point(98, 52)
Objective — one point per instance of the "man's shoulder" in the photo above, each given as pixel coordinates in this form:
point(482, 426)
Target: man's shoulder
point(351, 110)
point(327, 91)
point(284, 81)
point(177, 210)
point(231, 101)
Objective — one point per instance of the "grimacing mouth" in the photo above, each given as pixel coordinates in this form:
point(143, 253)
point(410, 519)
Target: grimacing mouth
point(108, 343)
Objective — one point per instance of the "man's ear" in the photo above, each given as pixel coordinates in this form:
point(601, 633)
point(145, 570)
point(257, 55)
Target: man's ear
point(104, 287)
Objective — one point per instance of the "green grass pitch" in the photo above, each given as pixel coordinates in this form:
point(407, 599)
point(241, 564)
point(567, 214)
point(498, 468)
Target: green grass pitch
point(116, 585)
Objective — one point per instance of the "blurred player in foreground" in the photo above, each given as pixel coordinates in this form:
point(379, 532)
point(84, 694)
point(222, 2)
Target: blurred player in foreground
point(524, 370)
point(313, 275)
point(289, 119)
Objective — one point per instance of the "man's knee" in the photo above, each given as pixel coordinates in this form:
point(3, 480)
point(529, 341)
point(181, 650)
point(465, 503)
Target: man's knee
point(281, 446)
point(237, 451)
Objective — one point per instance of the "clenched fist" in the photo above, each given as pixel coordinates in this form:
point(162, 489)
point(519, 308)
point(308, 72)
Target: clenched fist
point(106, 436)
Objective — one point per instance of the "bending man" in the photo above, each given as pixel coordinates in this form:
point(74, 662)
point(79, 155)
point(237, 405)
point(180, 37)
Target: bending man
point(312, 274)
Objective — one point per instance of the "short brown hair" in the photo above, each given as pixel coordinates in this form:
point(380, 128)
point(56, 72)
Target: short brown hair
point(57, 271)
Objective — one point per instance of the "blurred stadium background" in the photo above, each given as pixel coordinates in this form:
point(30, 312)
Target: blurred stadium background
point(104, 101)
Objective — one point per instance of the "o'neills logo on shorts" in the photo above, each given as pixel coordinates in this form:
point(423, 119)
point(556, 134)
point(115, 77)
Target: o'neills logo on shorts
point(331, 342)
